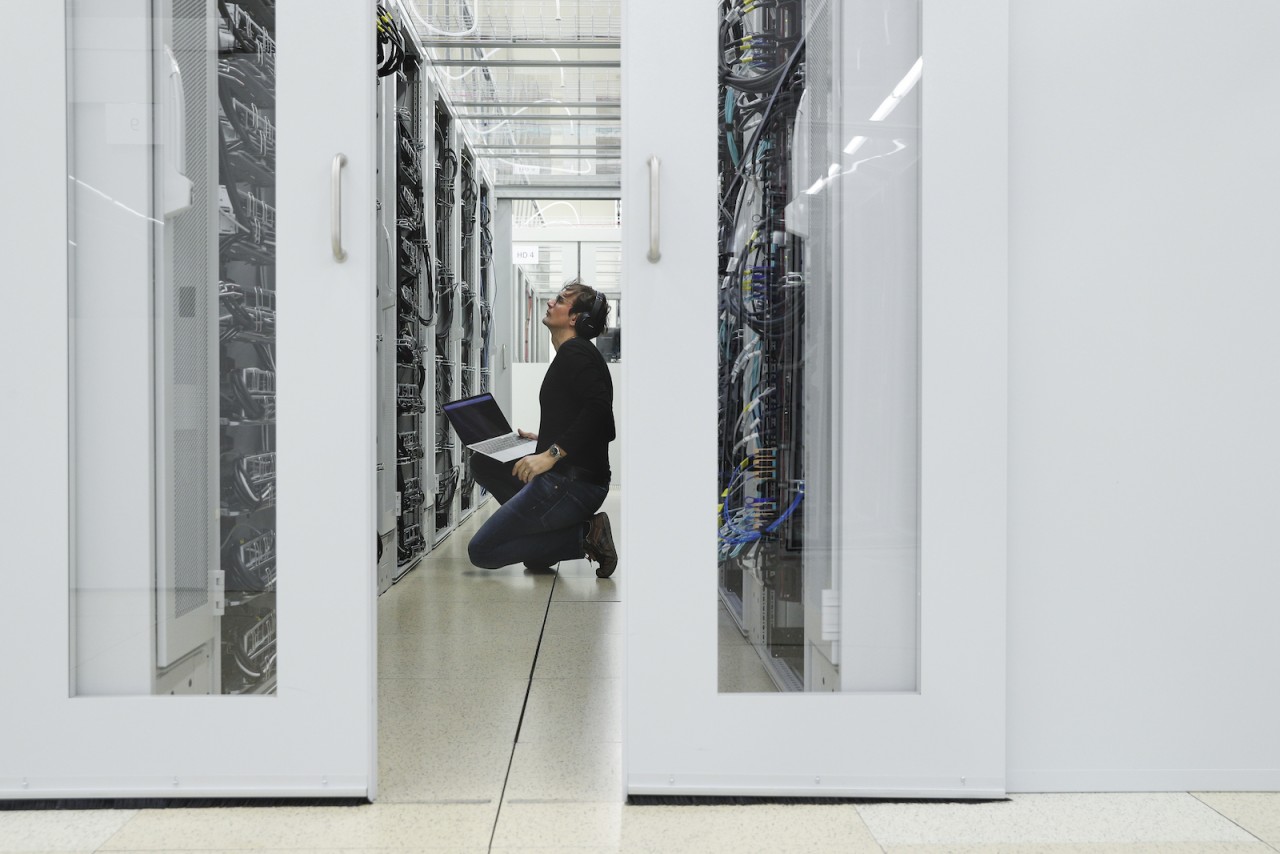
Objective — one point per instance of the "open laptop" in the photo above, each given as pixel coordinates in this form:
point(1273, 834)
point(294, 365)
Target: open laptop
point(484, 429)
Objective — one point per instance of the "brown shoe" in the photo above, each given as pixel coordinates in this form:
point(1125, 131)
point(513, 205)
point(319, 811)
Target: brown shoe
point(599, 545)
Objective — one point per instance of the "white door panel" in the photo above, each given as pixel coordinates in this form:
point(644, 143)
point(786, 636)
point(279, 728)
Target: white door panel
point(891, 636)
point(198, 463)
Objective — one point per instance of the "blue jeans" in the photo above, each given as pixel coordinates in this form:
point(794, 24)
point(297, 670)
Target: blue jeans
point(540, 525)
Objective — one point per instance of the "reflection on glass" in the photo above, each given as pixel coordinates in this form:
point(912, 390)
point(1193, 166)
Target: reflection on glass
point(172, 258)
point(819, 283)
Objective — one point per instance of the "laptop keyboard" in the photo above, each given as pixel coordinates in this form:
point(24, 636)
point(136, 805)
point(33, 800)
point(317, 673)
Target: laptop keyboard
point(500, 443)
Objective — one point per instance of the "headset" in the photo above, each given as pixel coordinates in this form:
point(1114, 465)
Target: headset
point(590, 322)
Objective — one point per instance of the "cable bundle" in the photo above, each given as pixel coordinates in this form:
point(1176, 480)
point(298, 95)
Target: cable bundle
point(444, 310)
point(444, 498)
point(408, 448)
point(249, 482)
point(246, 313)
point(249, 559)
point(411, 542)
point(391, 51)
point(246, 172)
point(761, 305)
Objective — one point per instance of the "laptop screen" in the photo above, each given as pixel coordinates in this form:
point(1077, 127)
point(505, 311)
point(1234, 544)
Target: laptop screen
point(477, 418)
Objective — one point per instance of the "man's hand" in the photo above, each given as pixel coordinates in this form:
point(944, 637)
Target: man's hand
point(527, 468)
point(524, 434)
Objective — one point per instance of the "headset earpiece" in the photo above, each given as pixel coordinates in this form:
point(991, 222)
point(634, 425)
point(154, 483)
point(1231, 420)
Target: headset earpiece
point(589, 322)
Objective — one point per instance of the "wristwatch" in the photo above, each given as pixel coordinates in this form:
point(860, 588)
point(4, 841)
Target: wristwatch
point(554, 451)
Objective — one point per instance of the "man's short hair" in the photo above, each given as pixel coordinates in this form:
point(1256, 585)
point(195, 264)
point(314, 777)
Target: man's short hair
point(584, 297)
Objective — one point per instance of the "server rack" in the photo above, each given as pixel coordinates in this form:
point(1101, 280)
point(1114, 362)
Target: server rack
point(447, 468)
point(414, 285)
point(484, 304)
point(762, 320)
point(246, 353)
point(473, 330)
point(433, 285)
point(819, 339)
point(469, 222)
point(388, 296)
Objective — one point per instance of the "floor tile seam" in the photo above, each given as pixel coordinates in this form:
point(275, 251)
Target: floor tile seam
point(455, 644)
point(485, 679)
point(434, 640)
point(502, 618)
point(103, 846)
point(520, 721)
point(453, 582)
point(564, 742)
point(503, 599)
point(1274, 846)
point(447, 739)
point(566, 802)
point(577, 678)
point(445, 648)
point(584, 630)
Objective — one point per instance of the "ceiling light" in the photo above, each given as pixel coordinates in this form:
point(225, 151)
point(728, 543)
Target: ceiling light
point(832, 172)
point(432, 28)
point(854, 144)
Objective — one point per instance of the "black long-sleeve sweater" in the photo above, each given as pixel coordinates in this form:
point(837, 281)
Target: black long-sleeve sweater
point(577, 409)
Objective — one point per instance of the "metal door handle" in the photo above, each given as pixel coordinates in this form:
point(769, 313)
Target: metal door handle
point(335, 209)
point(177, 187)
point(178, 127)
point(389, 272)
point(655, 208)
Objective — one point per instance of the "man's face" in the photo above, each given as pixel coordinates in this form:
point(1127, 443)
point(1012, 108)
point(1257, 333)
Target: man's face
point(557, 316)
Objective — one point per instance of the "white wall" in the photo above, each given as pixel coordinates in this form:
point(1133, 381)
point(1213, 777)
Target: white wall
point(1144, 601)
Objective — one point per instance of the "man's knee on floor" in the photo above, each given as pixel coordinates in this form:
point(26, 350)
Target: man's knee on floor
point(481, 556)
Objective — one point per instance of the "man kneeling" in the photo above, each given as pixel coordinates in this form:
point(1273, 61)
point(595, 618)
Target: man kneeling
point(549, 498)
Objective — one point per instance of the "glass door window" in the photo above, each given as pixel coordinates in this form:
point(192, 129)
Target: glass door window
point(819, 205)
point(172, 165)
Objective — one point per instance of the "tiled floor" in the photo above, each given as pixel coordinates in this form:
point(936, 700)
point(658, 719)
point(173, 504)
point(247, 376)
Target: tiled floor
point(482, 749)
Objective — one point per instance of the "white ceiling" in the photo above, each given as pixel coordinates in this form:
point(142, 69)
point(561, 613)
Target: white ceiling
point(539, 82)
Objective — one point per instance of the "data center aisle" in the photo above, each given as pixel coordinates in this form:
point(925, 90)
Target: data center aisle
point(499, 692)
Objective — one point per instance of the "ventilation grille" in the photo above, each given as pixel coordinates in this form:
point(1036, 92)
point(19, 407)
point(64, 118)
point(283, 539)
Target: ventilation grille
point(192, 282)
point(190, 529)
